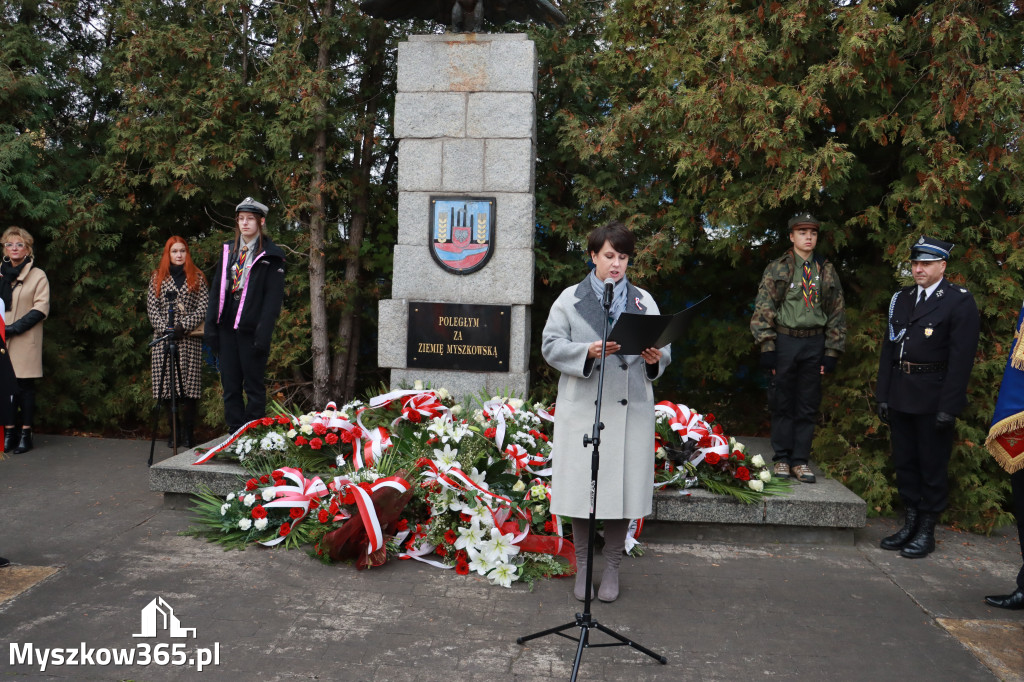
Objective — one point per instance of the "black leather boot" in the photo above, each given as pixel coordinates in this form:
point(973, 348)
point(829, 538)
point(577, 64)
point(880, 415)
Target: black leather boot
point(901, 537)
point(923, 542)
point(1014, 601)
point(11, 434)
point(25, 442)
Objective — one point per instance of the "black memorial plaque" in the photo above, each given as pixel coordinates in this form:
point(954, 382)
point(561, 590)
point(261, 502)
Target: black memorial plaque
point(471, 338)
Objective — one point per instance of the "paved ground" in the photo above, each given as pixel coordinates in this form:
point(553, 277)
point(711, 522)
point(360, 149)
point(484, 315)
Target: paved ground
point(92, 547)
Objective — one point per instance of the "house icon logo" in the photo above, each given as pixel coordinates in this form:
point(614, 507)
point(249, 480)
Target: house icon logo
point(158, 615)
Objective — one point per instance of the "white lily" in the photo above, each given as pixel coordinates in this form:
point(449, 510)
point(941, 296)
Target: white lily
point(469, 536)
point(478, 562)
point(500, 547)
point(503, 574)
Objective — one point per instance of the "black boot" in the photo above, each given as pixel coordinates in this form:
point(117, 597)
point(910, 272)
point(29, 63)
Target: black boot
point(901, 537)
point(25, 442)
point(11, 434)
point(923, 542)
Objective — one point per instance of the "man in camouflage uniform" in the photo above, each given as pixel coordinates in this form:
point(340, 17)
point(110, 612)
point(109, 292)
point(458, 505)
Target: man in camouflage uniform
point(800, 324)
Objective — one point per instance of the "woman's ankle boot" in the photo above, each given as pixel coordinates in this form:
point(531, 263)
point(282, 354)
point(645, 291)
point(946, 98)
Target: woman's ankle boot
point(11, 434)
point(25, 442)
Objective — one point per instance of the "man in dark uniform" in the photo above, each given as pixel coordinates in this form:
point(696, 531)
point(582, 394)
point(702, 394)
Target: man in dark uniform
point(799, 322)
point(926, 360)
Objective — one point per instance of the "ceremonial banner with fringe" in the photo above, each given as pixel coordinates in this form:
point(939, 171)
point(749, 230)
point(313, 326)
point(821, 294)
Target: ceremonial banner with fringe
point(1006, 436)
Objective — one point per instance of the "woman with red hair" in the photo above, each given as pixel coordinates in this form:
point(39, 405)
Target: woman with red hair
point(177, 283)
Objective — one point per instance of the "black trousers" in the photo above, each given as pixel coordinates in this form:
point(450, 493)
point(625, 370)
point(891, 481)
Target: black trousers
point(242, 368)
point(1017, 481)
point(920, 454)
point(794, 395)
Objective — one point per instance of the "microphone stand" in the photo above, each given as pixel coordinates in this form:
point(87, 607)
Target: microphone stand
point(584, 621)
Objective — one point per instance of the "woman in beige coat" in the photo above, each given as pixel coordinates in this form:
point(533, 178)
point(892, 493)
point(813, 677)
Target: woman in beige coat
point(571, 343)
point(26, 295)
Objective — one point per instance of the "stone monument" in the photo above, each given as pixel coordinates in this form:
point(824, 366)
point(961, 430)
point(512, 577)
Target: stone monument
point(465, 117)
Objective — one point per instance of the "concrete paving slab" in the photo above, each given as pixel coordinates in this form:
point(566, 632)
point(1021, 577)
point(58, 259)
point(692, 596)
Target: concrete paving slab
point(717, 611)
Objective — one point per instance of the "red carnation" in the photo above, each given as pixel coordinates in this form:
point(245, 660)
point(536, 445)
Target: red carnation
point(712, 458)
point(333, 508)
point(432, 440)
point(322, 516)
point(264, 479)
point(331, 438)
point(491, 432)
point(277, 474)
point(704, 442)
point(285, 529)
point(252, 484)
point(316, 443)
point(281, 419)
point(403, 524)
point(300, 440)
point(450, 537)
point(743, 473)
point(319, 429)
point(258, 512)
point(280, 482)
point(296, 512)
point(267, 421)
point(347, 436)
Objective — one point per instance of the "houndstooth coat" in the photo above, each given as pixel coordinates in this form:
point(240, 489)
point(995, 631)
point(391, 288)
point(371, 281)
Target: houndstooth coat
point(190, 311)
point(625, 482)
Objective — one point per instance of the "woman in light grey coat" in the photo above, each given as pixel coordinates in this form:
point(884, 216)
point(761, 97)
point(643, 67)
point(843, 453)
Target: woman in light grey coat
point(572, 345)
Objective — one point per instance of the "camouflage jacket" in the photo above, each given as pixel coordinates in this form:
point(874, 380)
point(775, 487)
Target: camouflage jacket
point(772, 290)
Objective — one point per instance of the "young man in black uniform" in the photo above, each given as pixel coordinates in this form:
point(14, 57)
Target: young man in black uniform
point(246, 291)
point(926, 361)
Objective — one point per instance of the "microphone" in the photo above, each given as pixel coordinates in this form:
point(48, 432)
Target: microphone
point(609, 284)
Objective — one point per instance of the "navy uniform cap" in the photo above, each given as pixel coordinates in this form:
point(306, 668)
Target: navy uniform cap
point(250, 205)
point(930, 249)
point(804, 219)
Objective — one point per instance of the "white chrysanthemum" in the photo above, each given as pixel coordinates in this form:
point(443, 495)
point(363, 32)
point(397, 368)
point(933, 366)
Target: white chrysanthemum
point(245, 524)
point(273, 441)
point(503, 574)
point(260, 524)
point(525, 438)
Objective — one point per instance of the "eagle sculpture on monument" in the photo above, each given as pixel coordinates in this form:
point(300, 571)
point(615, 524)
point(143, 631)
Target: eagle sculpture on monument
point(466, 15)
